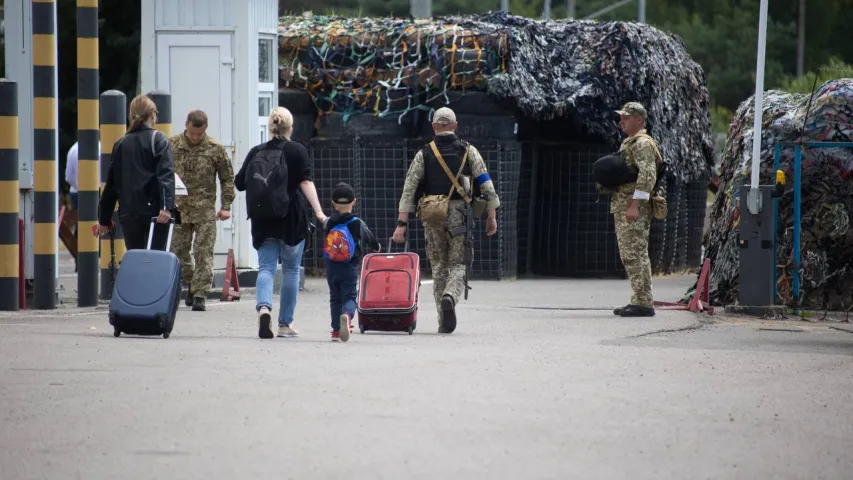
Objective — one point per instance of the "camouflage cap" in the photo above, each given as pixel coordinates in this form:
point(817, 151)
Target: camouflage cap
point(444, 116)
point(631, 109)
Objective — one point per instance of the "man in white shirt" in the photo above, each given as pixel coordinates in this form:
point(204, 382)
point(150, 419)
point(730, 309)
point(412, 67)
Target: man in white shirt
point(71, 172)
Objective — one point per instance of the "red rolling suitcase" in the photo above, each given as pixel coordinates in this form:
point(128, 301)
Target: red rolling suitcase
point(388, 291)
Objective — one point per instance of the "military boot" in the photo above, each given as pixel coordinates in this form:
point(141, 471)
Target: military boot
point(637, 311)
point(188, 300)
point(448, 315)
point(198, 304)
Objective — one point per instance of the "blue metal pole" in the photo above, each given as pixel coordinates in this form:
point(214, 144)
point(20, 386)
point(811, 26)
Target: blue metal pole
point(777, 156)
point(798, 157)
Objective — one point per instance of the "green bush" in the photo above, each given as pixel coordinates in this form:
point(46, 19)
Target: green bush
point(834, 69)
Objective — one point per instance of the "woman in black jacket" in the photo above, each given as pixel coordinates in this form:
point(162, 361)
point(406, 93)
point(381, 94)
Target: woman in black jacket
point(282, 239)
point(141, 178)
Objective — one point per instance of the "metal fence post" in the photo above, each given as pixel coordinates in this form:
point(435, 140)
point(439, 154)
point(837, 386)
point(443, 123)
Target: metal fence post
point(113, 117)
point(45, 169)
point(88, 176)
point(9, 198)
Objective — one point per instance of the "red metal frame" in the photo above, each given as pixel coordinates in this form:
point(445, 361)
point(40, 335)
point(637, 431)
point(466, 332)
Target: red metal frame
point(229, 295)
point(700, 300)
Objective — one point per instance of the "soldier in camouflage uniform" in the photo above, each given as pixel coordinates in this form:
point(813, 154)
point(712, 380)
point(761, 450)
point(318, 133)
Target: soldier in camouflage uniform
point(199, 159)
point(632, 210)
point(445, 251)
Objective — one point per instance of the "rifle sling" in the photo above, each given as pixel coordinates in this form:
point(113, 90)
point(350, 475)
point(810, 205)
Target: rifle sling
point(453, 179)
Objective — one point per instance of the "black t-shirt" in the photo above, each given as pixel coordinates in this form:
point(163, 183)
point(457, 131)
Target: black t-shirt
point(293, 228)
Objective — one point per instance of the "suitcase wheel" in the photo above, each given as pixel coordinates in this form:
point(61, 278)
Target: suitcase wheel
point(362, 328)
point(114, 323)
point(163, 323)
point(411, 329)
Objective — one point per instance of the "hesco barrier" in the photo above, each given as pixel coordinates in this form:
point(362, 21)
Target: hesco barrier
point(376, 167)
point(565, 226)
point(697, 205)
point(552, 222)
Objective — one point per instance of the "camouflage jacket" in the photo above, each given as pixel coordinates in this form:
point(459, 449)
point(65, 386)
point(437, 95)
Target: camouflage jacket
point(415, 175)
point(639, 150)
point(198, 166)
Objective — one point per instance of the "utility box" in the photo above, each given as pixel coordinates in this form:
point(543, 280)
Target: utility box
point(757, 252)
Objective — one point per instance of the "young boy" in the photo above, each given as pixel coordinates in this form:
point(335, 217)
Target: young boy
point(347, 240)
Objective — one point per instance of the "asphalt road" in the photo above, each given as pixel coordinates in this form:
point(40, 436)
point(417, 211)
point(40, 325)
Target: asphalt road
point(516, 393)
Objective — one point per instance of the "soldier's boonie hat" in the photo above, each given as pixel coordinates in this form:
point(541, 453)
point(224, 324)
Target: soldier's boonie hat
point(343, 194)
point(444, 116)
point(631, 109)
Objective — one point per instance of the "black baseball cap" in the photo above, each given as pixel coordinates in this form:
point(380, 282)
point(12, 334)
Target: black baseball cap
point(343, 194)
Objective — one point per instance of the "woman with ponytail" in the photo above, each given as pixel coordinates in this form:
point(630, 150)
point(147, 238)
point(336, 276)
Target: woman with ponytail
point(278, 231)
point(141, 179)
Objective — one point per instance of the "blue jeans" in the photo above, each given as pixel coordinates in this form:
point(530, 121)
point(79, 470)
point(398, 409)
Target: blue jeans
point(343, 290)
point(271, 251)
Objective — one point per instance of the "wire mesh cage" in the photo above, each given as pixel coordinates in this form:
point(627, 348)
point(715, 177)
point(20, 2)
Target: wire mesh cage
point(376, 167)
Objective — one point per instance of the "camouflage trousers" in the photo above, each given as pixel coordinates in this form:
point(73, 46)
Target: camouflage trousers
point(199, 277)
point(446, 255)
point(633, 240)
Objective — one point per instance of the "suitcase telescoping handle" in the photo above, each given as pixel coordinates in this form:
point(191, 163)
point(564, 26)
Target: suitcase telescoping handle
point(168, 239)
point(391, 240)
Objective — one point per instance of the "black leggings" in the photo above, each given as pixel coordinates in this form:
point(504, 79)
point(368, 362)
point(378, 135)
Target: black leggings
point(136, 234)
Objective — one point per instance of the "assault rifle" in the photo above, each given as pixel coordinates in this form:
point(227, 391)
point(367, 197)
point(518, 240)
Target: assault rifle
point(467, 229)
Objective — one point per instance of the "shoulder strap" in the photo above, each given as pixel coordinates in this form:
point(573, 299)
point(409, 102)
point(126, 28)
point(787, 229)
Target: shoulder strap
point(662, 168)
point(153, 137)
point(453, 179)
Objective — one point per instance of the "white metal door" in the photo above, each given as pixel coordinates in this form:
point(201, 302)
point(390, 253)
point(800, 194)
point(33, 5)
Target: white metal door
point(197, 71)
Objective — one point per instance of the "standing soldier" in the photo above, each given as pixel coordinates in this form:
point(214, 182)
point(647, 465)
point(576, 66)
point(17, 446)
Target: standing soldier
point(631, 206)
point(444, 208)
point(198, 160)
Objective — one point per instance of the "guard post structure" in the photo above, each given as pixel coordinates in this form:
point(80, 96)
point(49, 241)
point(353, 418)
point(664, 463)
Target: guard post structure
point(9, 200)
point(45, 169)
point(113, 109)
point(163, 101)
point(88, 176)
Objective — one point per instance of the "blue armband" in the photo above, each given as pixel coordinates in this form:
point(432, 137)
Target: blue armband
point(482, 179)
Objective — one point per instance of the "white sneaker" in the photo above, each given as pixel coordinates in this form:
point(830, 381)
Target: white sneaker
point(346, 327)
point(287, 332)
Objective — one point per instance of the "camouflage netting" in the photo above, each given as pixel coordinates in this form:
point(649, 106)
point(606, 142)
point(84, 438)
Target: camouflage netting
point(579, 70)
point(827, 196)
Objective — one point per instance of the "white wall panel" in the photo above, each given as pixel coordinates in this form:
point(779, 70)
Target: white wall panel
point(173, 14)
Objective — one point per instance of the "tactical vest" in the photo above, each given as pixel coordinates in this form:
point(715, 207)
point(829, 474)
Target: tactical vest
point(452, 149)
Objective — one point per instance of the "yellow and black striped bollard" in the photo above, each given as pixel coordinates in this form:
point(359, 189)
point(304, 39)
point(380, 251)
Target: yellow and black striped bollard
point(88, 176)
point(163, 101)
point(45, 232)
point(113, 125)
point(9, 195)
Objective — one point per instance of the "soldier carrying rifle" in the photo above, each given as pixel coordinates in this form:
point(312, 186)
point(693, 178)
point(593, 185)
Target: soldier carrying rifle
point(440, 178)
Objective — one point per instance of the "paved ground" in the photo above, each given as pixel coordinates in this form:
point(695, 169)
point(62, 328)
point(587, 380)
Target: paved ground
point(517, 392)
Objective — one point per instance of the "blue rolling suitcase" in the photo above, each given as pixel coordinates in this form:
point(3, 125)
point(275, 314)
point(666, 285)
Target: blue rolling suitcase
point(147, 290)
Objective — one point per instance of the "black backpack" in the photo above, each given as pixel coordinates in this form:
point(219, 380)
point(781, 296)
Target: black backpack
point(266, 185)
